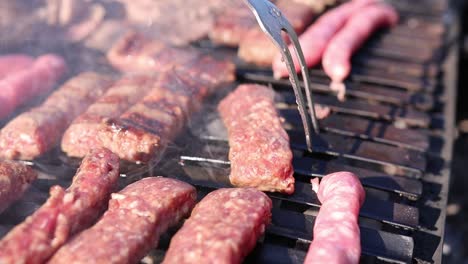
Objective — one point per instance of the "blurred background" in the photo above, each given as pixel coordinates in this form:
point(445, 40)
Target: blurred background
point(456, 240)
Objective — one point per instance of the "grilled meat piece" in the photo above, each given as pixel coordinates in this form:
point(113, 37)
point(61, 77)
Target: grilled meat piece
point(35, 132)
point(232, 23)
point(259, 146)
point(15, 178)
point(255, 47)
point(65, 213)
point(143, 131)
point(336, 230)
point(223, 228)
point(81, 136)
point(25, 85)
point(177, 22)
point(134, 52)
point(132, 225)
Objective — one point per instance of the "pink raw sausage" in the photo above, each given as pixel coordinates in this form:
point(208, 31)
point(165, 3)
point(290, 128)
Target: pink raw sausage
point(337, 56)
point(336, 231)
point(13, 63)
point(22, 86)
point(315, 39)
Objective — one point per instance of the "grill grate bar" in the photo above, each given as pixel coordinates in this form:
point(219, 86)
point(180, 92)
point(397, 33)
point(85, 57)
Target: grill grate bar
point(375, 243)
point(401, 161)
point(362, 60)
point(403, 116)
point(394, 214)
point(409, 188)
point(390, 159)
point(313, 167)
point(364, 129)
point(373, 76)
point(271, 253)
point(420, 101)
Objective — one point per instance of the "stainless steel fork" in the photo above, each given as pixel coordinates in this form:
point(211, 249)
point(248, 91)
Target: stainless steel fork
point(273, 23)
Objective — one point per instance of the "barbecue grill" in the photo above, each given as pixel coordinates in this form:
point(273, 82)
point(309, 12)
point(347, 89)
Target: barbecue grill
point(395, 131)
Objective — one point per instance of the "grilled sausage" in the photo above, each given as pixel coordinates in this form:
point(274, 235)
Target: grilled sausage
point(143, 131)
point(316, 38)
point(22, 86)
point(35, 132)
point(337, 56)
point(223, 228)
point(65, 213)
point(336, 230)
point(136, 217)
point(136, 53)
point(15, 178)
point(81, 136)
point(259, 146)
point(14, 63)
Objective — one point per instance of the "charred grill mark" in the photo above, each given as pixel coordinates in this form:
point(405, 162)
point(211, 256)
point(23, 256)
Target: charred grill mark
point(146, 123)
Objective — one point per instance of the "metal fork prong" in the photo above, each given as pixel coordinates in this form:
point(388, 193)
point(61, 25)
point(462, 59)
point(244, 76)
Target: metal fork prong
point(273, 23)
point(301, 105)
point(305, 75)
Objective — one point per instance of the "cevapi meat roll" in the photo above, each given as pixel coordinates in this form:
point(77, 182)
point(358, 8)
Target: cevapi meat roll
point(136, 53)
point(15, 178)
point(143, 131)
point(22, 86)
point(259, 152)
point(140, 131)
point(132, 225)
point(336, 231)
point(223, 228)
point(38, 130)
point(81, 135)
point(65, 213)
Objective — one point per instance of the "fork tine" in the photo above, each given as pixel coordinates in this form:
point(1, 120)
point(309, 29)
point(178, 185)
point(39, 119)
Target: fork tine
point(306, 120)
point(273, 23)
point(305, 75)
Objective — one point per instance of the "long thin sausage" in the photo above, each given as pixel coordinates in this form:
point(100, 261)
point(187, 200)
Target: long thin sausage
point(65, 213)
point(336, 231)
point(35, 132)
point(23, 86)
point(13, 63)
point(315, 39)
point(81, 136)
point(337, 56)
